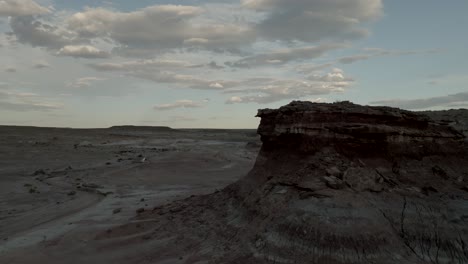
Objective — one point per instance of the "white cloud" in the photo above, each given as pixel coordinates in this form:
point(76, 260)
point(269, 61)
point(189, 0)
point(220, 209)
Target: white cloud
point(28, 30)
point(22, 102)
point(84, 82)
point(273, 90)
point(177, 104)
point(310, 68)
point(141, 65)
point(377, 52)
point(285, 55)
point(439, 101)
point(21, 8)
point(83, 51)
point(314, 20)
point(41, 65)
point(164, 71)
point(159, 27)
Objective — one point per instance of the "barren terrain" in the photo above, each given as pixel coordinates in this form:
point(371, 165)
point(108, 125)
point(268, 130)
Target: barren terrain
point(61, 188)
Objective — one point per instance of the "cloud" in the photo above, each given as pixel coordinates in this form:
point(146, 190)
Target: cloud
point(83, 51)
point(41, 65)
point(273, 90)
point(24, 107)
point(164, 71)
point(36, 33)
point(213, 65)
point(10, 69)
point(284, 56)
point(177, 104)
point(141, 65)
point(22, 102)
point(84, 82)
point(21, 8)
point(310, 68)
point(377, 52)
point(441, 101)
point(159, 27)
point(314, 20)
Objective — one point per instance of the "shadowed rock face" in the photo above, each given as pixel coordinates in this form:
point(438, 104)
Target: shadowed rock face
point(362, 130)
point(343, 183)
point(335, 183)
point(456, 118)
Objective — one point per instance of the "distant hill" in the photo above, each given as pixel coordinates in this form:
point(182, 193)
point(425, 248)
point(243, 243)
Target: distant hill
point(142, 128)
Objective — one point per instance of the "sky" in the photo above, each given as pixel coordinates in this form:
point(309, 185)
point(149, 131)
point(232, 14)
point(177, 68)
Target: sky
point(214, 63)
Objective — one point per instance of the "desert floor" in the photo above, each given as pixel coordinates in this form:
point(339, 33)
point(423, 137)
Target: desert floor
point(59, 188)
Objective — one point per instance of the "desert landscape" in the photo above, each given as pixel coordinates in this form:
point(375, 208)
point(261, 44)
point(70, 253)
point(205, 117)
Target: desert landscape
point(320, 183)
point(61, 188)
point(237, 132)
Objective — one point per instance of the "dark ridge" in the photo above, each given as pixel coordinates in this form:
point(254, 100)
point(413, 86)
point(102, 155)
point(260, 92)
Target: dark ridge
point(142, 128)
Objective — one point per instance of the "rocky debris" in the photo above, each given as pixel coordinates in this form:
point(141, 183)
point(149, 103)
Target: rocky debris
point(117, 210)
point(363, 179)
point(83, 144)
point(91, 185)
point(334, 183)
point(40, 172)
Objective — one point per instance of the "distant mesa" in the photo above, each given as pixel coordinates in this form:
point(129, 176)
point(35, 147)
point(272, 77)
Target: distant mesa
point(142, 128)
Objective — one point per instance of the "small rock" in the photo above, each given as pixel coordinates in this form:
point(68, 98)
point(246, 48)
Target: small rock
point(140, 210)
point(116, 211)
point(282, 191)
point(39, 172)
point(333, 182)
point(91, 185)
point(334, 171)
point(259, 243)
point(71, 193)
point(439, 172)
point(428, 189)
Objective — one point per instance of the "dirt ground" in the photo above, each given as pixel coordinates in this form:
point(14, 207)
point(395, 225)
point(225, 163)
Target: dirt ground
point(60, 188)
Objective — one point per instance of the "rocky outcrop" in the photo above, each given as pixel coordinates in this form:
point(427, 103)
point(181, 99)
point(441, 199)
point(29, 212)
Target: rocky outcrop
point(334, 183)
point(344, 183)
point(456, 118)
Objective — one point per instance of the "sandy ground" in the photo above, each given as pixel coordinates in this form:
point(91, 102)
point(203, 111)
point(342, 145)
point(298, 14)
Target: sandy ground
point(59, 188)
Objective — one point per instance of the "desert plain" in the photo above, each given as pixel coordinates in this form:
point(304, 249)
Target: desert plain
point(61, 188)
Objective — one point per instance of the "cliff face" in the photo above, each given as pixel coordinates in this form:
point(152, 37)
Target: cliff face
point(343, 183)
point(349, 127)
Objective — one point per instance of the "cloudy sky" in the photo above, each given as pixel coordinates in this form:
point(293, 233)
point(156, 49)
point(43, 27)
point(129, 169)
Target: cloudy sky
point(213, 63)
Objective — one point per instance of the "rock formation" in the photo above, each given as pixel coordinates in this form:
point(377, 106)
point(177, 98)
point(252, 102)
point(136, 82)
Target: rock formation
point(333, 183)
point(456, 118)
point(343, 183)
